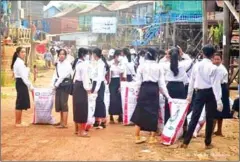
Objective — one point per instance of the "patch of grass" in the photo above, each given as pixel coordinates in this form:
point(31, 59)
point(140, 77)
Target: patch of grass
point(6, 79)
point(4, 96)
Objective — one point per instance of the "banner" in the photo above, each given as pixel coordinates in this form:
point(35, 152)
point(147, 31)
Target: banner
point(107, 98)
point(104, 24)
point(43, 104)
point(200, 123)
point(91, 109)
point(129, 93)
point(174, 126)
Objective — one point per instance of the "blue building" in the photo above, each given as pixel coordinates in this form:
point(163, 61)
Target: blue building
point(50, 12)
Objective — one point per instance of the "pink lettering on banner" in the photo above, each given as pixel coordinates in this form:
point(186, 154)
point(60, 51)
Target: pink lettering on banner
point(126, 107)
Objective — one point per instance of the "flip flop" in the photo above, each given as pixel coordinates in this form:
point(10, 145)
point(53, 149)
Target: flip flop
point(61, 126)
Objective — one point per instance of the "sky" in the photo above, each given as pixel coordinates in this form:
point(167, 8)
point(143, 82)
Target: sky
point(56, 3)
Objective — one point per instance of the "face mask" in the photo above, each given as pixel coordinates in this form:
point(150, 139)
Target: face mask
point(86, 58)
point(120, 58)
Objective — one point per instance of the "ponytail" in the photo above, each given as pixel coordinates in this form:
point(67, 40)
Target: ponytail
point(15, 55)
point(106, 64)
point(174, 55)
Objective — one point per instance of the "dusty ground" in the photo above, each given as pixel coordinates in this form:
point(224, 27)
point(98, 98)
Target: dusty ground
point(116, 142)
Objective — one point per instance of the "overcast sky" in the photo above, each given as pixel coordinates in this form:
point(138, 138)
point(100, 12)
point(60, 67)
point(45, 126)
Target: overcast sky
point(56, 3)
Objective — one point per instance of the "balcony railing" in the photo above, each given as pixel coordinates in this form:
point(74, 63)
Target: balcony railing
point(20, 35)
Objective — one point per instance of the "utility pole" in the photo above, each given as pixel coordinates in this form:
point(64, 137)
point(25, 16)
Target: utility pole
point(226, 36)
point(205, 23)
point(31, 52)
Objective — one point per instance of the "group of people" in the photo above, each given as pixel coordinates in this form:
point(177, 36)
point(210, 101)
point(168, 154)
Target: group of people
point(177, 75)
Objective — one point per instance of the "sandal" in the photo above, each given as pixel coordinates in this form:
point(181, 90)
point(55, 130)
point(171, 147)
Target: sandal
point(61, 126)
point(57, 124)
point(83, 134)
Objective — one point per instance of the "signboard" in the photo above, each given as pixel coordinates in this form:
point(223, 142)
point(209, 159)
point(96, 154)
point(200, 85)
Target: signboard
point(104, 24)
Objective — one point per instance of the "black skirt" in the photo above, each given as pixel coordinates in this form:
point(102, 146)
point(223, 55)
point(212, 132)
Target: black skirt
point(115, 107)
point(146, 112)
point(129, 78)
point(176, 90)
point(226, 113)
point(80, 103)
point(61, 100)
point(23, 99)
point(100, 110)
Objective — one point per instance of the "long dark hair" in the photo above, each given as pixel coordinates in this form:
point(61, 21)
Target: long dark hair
point(151, 54)
point(15, 55)
point(82, 52)
point(174, 56)
point(98, 53)
point(117, 53)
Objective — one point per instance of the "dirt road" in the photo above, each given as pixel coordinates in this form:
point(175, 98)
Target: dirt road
point(116, 142)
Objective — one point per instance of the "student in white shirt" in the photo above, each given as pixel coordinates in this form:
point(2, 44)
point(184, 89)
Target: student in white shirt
point(130, 72)
point(21, 74)
point(223, 76)
point(150, 80)
point(99, 88)
point(80, 95)
point(116, 72)
point(208, 92)
point(175, 75)
point(61, 75)
point(139, 59)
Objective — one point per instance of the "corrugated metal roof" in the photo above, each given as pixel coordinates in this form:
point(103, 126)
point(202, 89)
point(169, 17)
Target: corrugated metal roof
point(64, 12)
point(128, 4)
point(90, 8)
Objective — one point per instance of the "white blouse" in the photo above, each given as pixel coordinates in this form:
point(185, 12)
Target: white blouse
point(204, 76)
point(129, 68)
point(81, 74)
point(151, 71)
point(21, 71)
point(169, 76)
point(99, 74)
point(64, 70)
point(116, 70)
point(223, 74)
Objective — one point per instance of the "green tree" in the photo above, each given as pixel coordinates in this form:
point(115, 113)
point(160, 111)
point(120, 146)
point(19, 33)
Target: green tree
point(64, 6)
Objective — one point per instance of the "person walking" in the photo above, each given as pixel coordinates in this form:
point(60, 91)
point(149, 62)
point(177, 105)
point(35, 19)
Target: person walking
point(48, 59)
point(21, 75)
point(62, 73)
point(208, 92)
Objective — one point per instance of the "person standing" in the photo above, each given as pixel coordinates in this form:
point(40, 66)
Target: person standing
point(175, 75)
point(116, 72)
point(150, 80)
point(223, 76)
point(80, 95)
point(48, 59)
point(129, 66)
point(208, 92)
point(61, 74)
point(98, 87)
point(21, 74)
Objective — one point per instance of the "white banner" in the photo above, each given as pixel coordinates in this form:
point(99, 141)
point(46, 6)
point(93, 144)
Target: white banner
point(129, 93)
point(174, 126)
point(104, 24)
point(91, 110)
point(43, 104)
